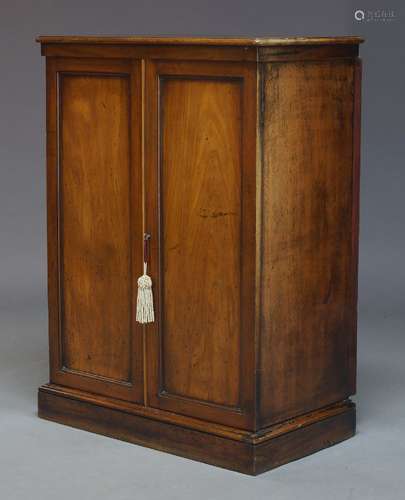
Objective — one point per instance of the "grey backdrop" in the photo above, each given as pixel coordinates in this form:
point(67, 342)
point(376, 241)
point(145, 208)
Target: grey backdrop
point(40, 460)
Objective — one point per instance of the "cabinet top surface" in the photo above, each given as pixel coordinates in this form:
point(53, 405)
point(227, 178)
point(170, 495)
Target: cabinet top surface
point(188, 40)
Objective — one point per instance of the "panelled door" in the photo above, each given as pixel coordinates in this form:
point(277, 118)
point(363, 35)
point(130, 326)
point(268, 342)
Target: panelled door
point(95, 224)
point(200, 211)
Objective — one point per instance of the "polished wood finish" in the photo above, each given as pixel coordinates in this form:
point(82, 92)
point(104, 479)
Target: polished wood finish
point(200, 52)
point(241, 158)
point(190, 40)
point(200, 180)
point(200, 186)
point(95, 225)
point(96, 278)
point(306, 52)
point(147, 52)
point(307, 320)
point(355, 217)
point(207, 49)
point(303, 441)
point(247, 455)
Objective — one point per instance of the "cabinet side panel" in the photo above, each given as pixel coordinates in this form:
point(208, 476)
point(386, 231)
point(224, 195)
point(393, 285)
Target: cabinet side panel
point(307, 309)
point(95, 224)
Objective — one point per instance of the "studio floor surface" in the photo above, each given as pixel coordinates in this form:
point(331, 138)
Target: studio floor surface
point(43, 460)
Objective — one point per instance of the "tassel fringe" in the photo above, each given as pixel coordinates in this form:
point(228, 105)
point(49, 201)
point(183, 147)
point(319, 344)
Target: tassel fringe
point(144, 303)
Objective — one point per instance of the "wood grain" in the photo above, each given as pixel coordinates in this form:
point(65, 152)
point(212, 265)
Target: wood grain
point(201, 222)
point(305, 357)
point(306, 52)
point(159, 52)
point(240, 456)
point(253, 437)
point(304, 441)
point(99, 211)
point(240, 157)
point(202, 52)
point(203, 182)
point(355, 218)
point(96, 276)
point(189, 40)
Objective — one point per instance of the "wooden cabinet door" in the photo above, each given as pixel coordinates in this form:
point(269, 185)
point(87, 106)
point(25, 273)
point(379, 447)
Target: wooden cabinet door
point(95, 224)
point(200, 212)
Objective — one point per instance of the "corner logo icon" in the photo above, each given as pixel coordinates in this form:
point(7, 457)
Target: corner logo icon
point(379, 15)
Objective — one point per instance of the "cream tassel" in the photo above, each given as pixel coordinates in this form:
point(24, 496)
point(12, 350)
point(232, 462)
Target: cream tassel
point(144, 303)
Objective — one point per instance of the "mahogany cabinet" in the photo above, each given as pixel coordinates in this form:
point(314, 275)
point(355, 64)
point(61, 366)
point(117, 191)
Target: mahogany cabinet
point(240, 159)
